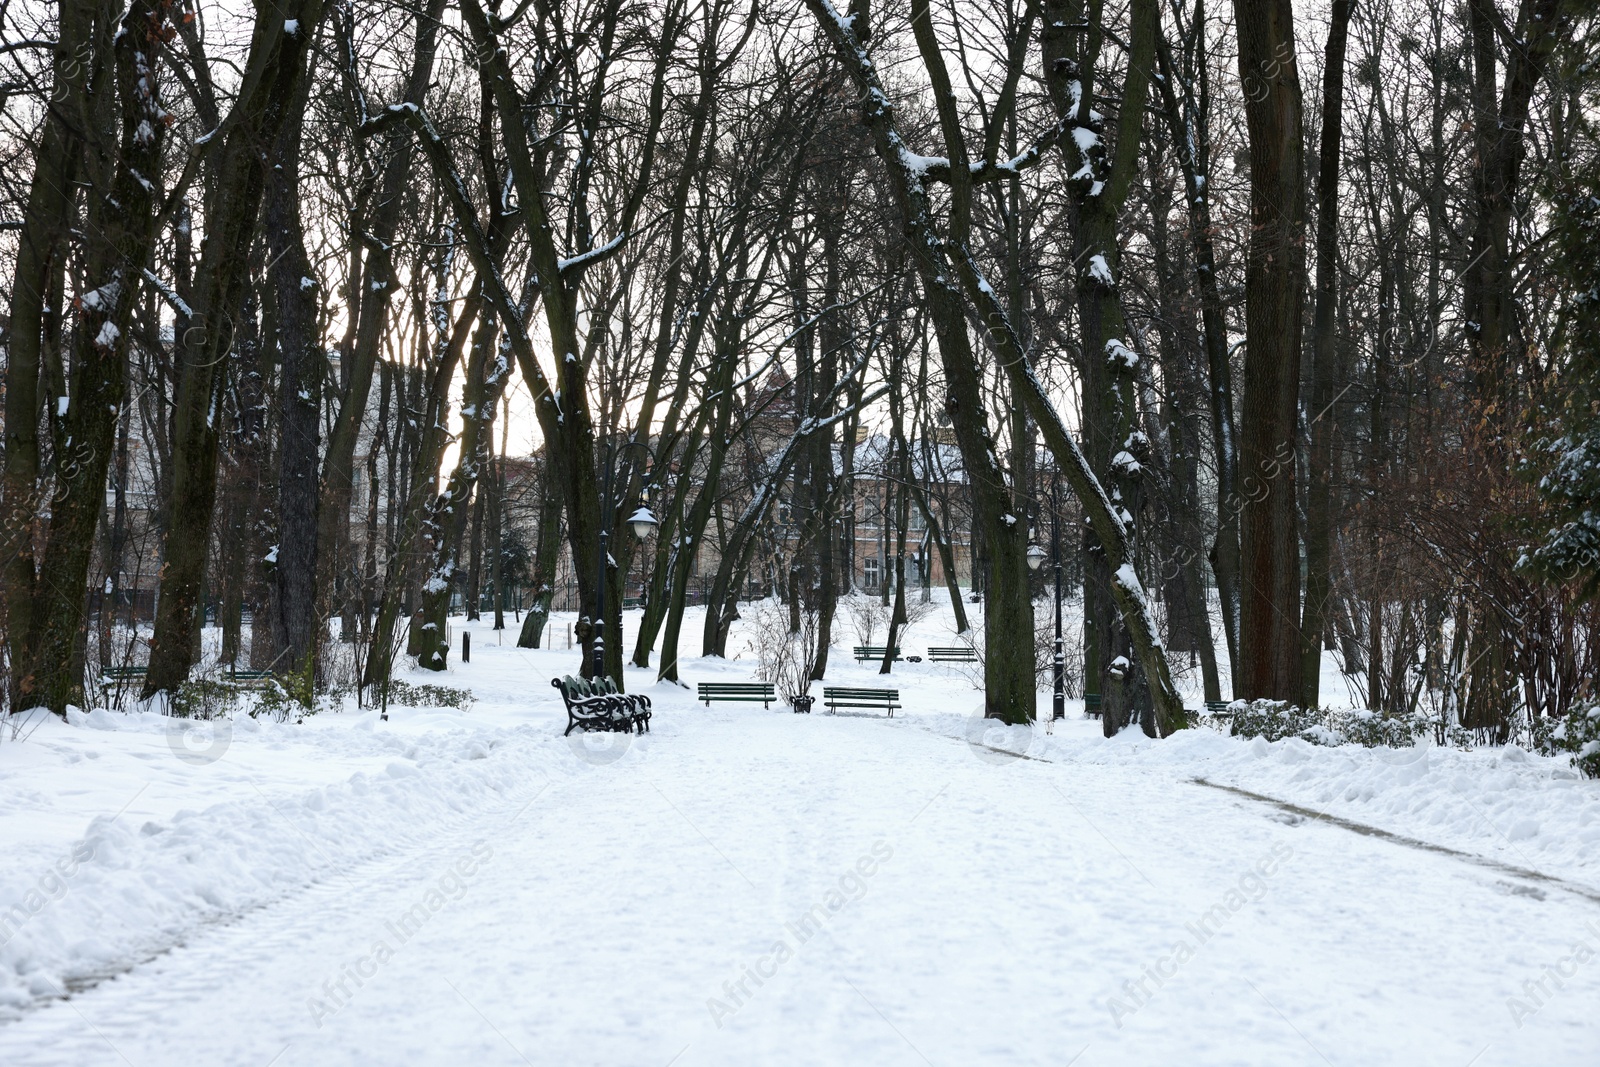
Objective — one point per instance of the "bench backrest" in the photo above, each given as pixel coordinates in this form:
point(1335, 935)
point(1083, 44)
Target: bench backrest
point(862, 694)
point(735, 687)
point(576, 688)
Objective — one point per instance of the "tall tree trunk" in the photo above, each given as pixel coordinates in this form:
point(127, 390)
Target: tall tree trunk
point(1319, 496)
point(488, 371)
point(296, 620)
point(267, 94)
point(1269, 616)
point(1190, 127)
point(421, 530)
point(547, 550)
point(1109, 404)
point(1499, 151)
point(84, 29)
point(123, 215)
point(699, 516)
point(376, 283)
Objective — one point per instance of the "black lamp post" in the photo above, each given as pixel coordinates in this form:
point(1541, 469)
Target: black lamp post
point(1058, 708)
point(642, 521)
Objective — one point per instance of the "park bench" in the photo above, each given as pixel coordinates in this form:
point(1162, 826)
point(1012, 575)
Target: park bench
point(763, 692)
point(834, 698)
point(1091, 705)
point(637, 705)
point(962, 654)
point(870, 652)
point(598, 706)
point(118, 677)
point(1218, 708)
point(250, 679)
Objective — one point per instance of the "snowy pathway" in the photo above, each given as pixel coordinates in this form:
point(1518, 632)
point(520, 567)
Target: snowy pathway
point(755, 888)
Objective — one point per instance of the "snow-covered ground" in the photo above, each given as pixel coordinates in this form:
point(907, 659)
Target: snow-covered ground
point(751, 886)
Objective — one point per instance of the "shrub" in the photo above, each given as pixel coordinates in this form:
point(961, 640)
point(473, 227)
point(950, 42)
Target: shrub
point(204, 698)
point(783, 657)
point(1577, 735)
point(1372, 730)
point(1274, 720)
point(429, 696)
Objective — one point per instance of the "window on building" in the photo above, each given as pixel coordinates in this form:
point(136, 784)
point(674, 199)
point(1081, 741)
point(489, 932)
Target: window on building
point(873, 573)
point(871, 507)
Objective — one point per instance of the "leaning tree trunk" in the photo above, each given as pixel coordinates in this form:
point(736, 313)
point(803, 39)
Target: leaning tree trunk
point(546, 552)
point(689, 543)
point(938, 261)
point(487, 375)
point(423, 519)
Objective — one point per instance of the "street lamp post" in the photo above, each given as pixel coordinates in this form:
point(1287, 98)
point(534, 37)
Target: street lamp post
point(1058, 708)
point(642, 521)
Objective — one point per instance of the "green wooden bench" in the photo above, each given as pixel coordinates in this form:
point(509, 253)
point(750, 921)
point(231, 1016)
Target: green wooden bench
point(1218, 708)
point(834, 698)
point(871, 652)
point(961, 654)
point(250, 679)
point(764, 692)
point(120, 677)
point(1091, 705)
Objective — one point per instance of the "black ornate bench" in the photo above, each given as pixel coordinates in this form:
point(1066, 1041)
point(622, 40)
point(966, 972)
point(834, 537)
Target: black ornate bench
point(597, 705)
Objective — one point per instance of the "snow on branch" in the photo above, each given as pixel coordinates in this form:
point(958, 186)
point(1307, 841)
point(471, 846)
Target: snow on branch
point(169, 294)
point(577, 263)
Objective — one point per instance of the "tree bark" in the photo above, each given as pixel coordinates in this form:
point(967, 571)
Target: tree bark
point(270, 86)
point(1269, 616)
point(80, 61)
point(1319, 496)
point(123, 218)
point(293, 571)
point(373, 284)
point(1190, 127)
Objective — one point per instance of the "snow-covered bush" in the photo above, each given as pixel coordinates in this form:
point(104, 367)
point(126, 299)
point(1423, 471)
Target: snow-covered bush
point(407, 695)
point(1275, 720)
point(206, 698)
point(1372, 730)
point(1577, 735)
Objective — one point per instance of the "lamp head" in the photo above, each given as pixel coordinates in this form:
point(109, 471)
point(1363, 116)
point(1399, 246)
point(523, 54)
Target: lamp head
point(643, 522)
